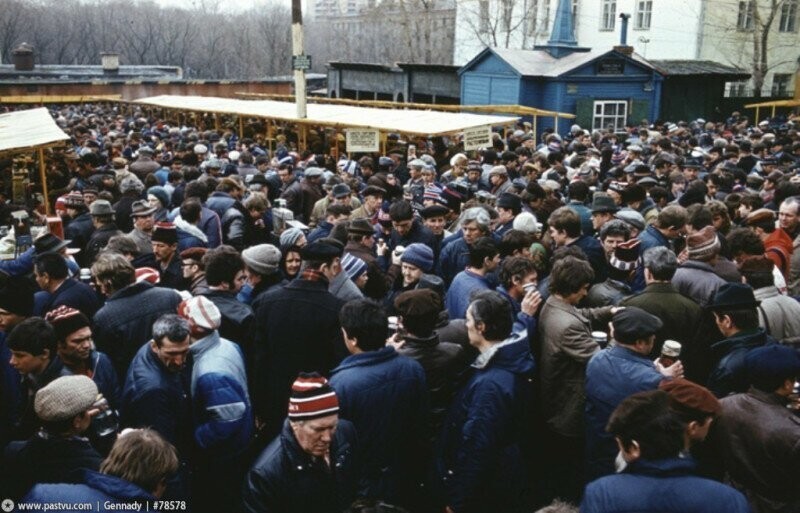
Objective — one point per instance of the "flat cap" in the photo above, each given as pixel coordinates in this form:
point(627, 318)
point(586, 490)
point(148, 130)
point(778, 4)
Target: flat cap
point(632, 323)
point(64, 398)
point(771, 362)
point(320, 250)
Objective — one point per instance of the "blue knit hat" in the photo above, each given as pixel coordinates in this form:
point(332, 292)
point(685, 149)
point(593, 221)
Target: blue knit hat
point(353, 266)
point(419, 255)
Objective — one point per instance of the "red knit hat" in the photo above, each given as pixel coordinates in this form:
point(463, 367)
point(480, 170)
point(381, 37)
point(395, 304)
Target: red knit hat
point(312, 398)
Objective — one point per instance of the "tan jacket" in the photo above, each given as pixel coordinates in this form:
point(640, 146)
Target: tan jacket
point(564, 347)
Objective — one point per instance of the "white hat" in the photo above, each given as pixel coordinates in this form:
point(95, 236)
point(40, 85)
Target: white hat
point(201, 312)
point(200, 149)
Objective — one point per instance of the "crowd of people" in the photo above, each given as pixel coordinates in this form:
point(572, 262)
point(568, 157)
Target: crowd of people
point(604, 321)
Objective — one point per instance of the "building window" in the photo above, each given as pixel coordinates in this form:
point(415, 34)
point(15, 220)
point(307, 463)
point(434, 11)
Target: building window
point(736, 89)
point(609, 15)
point(788, 21)
point(745, 19)
point(780, 84)
point(644, 13)
point(611, 114)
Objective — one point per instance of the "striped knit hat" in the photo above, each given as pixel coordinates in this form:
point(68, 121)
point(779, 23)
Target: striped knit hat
point(626, 255)
point(66, 321)
point(201, 313)
point(312, 398)
point(353, 266)
point(703, 245)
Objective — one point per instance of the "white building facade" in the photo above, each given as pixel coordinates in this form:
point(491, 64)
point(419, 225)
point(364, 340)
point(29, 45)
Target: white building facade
point(716, 30)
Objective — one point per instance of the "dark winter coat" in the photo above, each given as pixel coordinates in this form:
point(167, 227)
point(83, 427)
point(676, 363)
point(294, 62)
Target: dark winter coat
point(237, 318)
point(104, 377)
point(99, 240)
point(126, 321)
point(729, 375)
point(385, 396)
point(661, 486)
point(286, 479)
point(72, 293)
point(45, 459)
point(758, 440)
point(479, 461)
point(297, 329)
point(97, 488)
point(155, 397)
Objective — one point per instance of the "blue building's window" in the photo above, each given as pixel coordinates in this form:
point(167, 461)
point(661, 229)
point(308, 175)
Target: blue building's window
point(610, 114)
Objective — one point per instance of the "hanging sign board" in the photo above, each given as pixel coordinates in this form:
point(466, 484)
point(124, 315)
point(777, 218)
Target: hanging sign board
point(477, 138)
point(362, 140)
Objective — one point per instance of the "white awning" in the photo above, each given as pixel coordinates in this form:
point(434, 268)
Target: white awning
point(28, 129)
point(422, 122)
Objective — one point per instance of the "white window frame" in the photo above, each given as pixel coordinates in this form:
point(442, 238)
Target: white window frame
point(608, 14)
point(788, 21)
point(602, 115)
point(744, 20)
point(644, 15)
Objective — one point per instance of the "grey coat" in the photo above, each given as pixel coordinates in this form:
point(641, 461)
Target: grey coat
point(697, 281)
point(779, 315)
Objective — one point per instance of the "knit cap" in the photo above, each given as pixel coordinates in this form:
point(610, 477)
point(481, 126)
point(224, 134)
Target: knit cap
point(200, 312)
point(703, 245)
point(312, 398)
point(290, 237)
point(263, 258)
point(526, 222)
point(66, 320)
point(74, 200)
point(419, 255)
point(353, 266)
point(64, 398)
point(147, 274)
point(626, 255)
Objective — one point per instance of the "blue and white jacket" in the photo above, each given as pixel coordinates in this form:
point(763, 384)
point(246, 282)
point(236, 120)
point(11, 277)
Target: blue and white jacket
point(223, 423)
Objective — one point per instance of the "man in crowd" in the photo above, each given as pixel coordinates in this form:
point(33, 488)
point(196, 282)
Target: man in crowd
point(75, 349)
point(311, 465)
point(756, 435)
point(224, 272)
point(57, 288)
point(385, 396)
point(484, 257)
point(125, 322)
point(223, 416)
point(143, 224)
point(288, 341)
point(565, 230)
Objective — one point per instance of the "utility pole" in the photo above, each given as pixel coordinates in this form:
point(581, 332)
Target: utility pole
point(298, 54)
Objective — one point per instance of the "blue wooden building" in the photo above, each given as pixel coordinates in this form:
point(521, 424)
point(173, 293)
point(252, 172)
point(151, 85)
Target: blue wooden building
point(603, 88)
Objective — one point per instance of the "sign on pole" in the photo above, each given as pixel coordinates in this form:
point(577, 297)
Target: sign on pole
point(362, 140)
point(477, 137)
point(301, 62)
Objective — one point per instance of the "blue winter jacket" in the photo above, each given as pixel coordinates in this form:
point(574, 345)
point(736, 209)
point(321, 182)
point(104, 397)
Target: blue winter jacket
point(661, 486)
point(479, 462)
point(223, 416)
point(98, 489)
point(385, 395)
point(611, 375)
point(729, 375)
point(457, 299)
point(156, 397)
point(453, 259)
point(72, 293)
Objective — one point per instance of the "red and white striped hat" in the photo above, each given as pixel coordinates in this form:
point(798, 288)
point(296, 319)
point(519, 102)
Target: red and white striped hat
point(200, 312)
point(147, 274)
point(312, 398)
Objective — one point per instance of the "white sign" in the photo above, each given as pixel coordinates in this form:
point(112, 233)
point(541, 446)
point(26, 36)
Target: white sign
point(362, 140)
point(477, 138)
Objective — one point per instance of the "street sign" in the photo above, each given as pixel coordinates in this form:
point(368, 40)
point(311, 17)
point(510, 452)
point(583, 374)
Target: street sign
point(477, 137)
point(359, 140)
point(301, 62)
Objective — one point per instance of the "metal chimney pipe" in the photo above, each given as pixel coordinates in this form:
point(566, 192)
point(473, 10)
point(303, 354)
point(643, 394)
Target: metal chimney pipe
point(623, 36)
